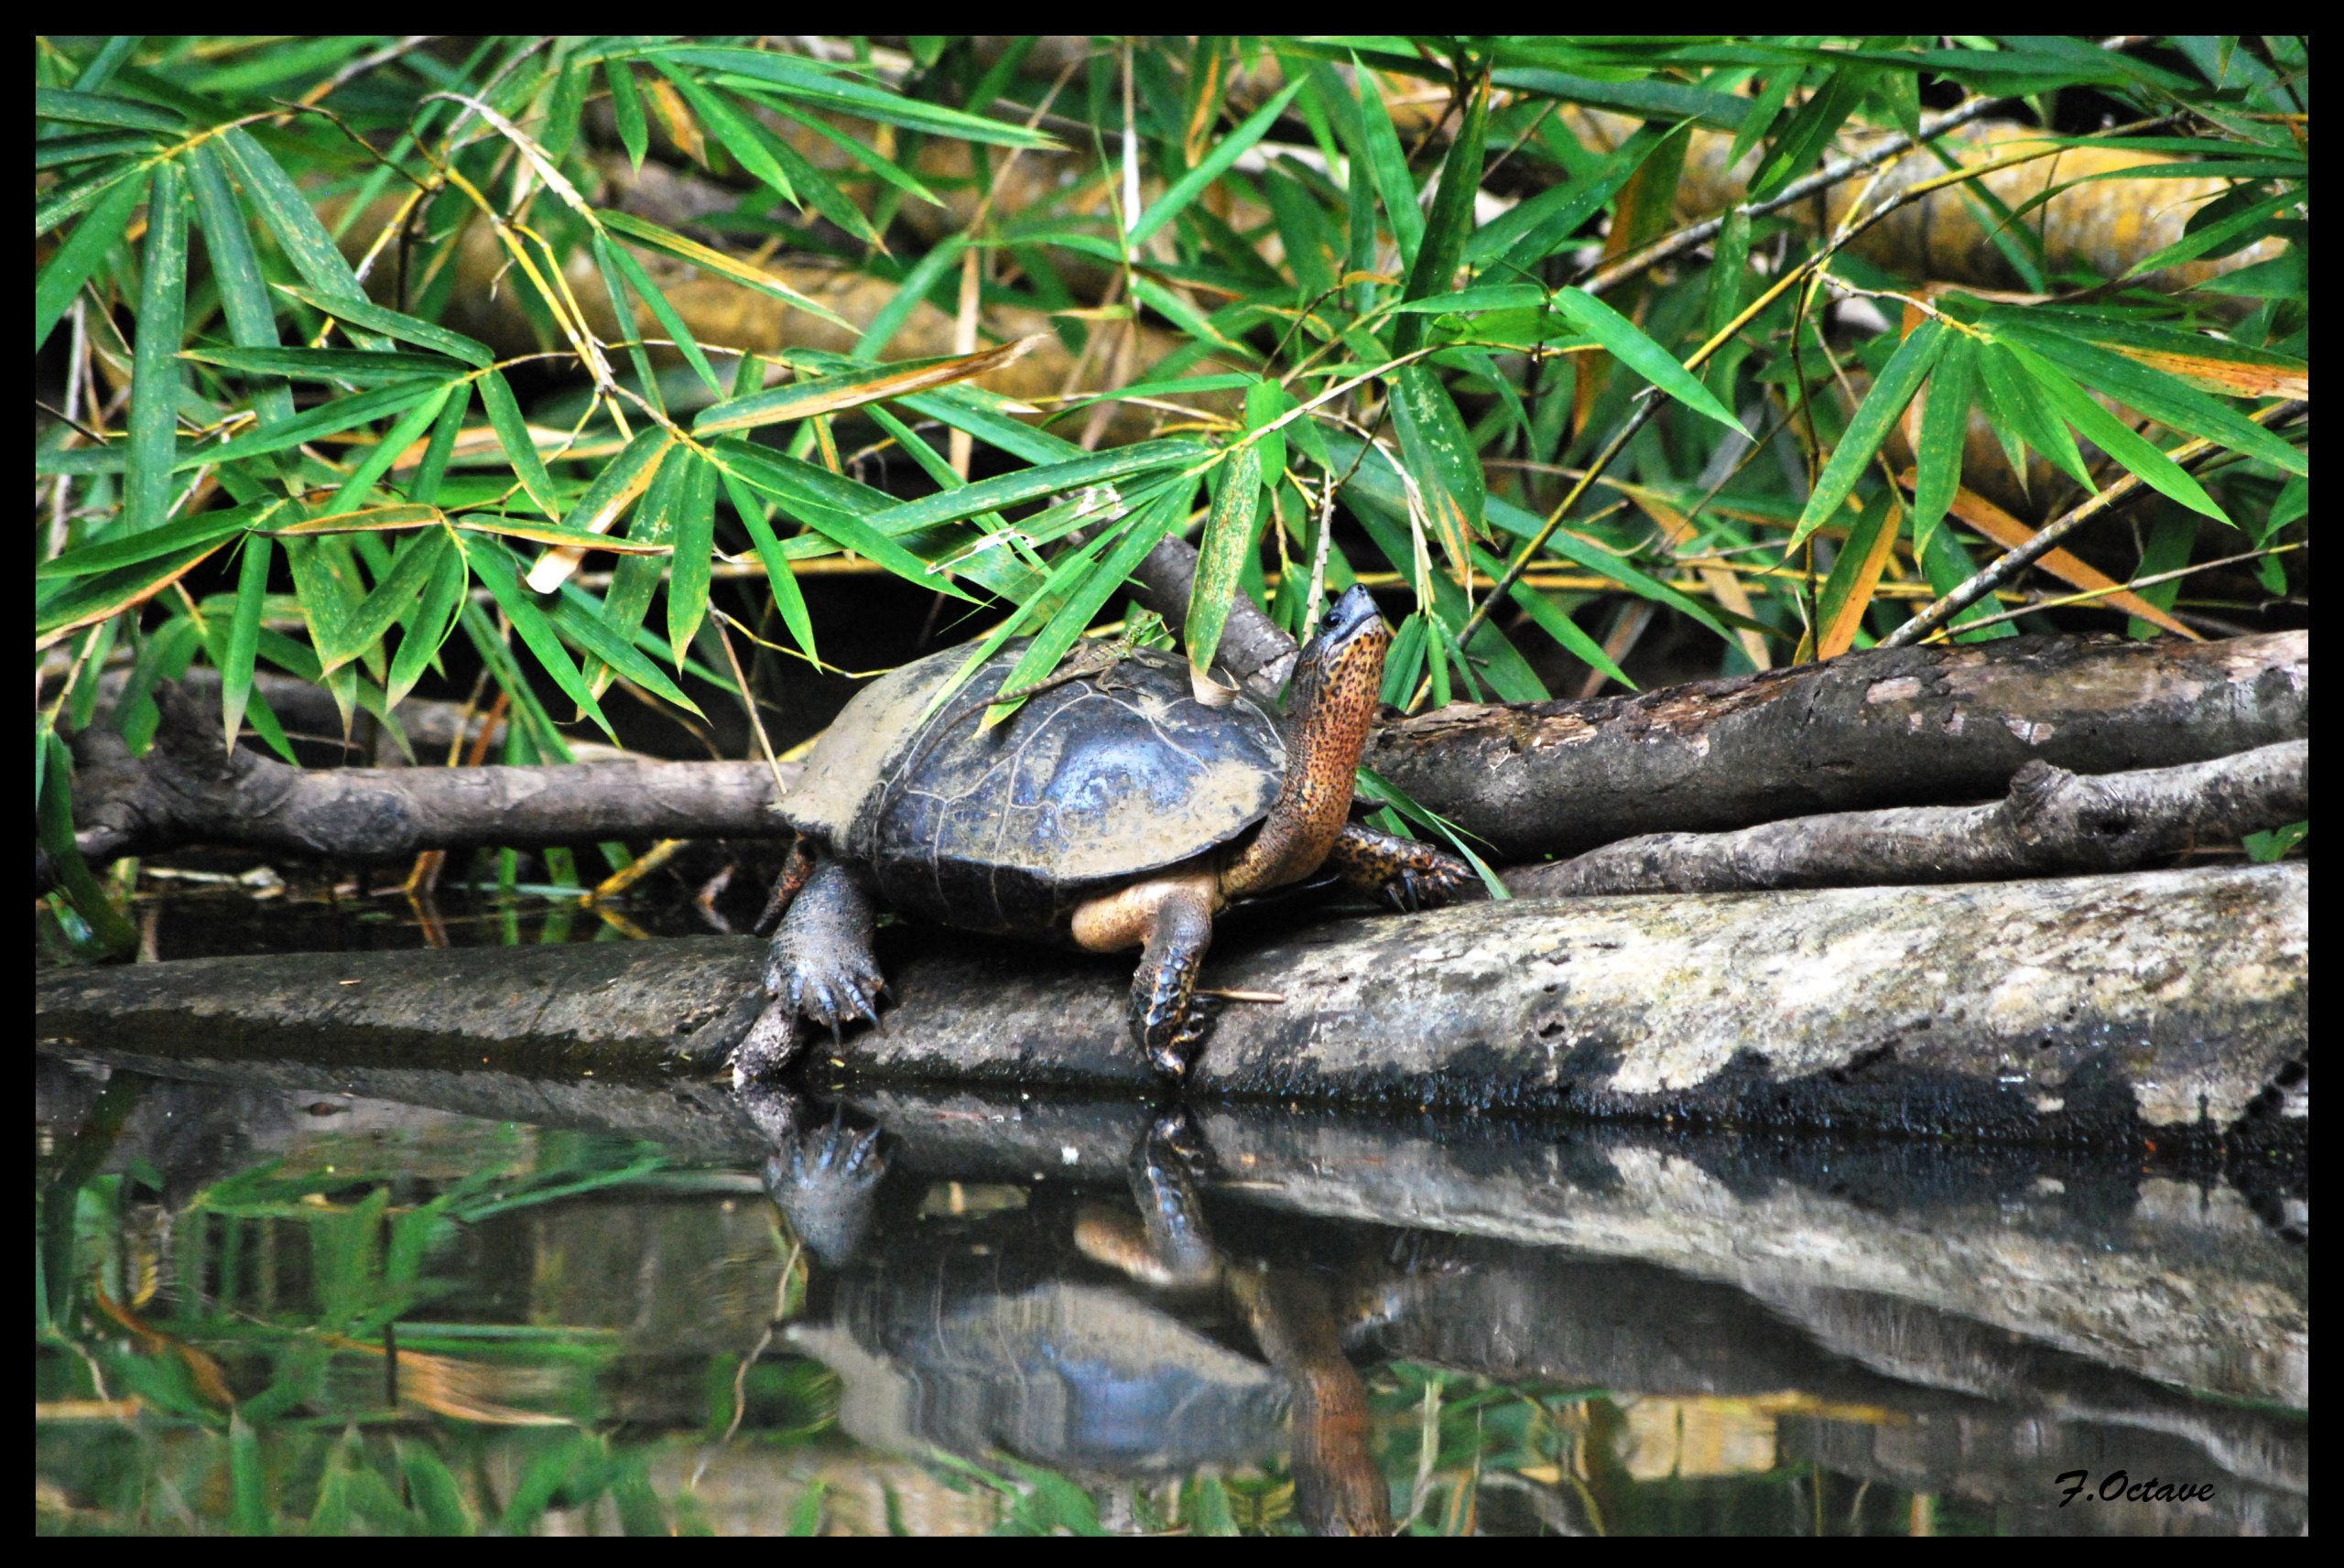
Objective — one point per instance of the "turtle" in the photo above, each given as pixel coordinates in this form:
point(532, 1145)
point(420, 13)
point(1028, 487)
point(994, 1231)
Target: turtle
point(1111, 810)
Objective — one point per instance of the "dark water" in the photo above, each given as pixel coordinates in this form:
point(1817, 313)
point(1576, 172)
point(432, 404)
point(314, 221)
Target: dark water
point(451, 1304)
point(274, 1309)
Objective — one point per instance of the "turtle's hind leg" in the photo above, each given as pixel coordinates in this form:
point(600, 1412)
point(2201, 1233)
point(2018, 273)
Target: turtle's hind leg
point(822, 963)
point(796, 873)
point(1405, 874)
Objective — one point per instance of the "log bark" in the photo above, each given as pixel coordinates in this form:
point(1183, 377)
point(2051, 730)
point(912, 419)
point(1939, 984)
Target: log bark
point(2053, 821)
point(188, 790)
point(1903, 727)
point(2171, 1005)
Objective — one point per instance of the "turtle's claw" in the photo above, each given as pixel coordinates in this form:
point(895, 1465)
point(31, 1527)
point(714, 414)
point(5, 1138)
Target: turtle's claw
point(825, 1179)
point(829, 988)
point(1433, 880)
point(1171, 1044)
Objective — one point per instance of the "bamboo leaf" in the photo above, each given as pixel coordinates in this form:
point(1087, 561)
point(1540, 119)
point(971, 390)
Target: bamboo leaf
point(812, 82)
point(1146, 529)
point(104, 108)
point(401, 518)
point(1811, 124)
point(868, 158)
point(638, 282)
point(325, 582)
point(1225, 152)
point(500, 574)
point(397, 324)
point(2142, 387)
point(2245, 222)
point(578, 624)
point(243, 636)
point(1898, 381)
point(1033, 484)
point(520, 448)
point(714, 261)
point(788, 599)
point(549, 534)
point(1388, 167)
point(829, 394)
point(626, 111)
point(168, 538)
point(62, 275)
point(397, 593)
point(739, 138)
point(1847, 591)
point(867, 537)
point(2115, 437)
point(395, 444)
point(236, 270)
point(1442, 249)
point(1630, 345)
point(325, 419)
point(298, 234)
point(1221, 559)
point(613, 490)
point(155, 375)
point(695, 550)
point(1945, 427)
point(1994, 523)
point(108, 594)
point(1440, 456)
point(434, 618)
point(358, 366)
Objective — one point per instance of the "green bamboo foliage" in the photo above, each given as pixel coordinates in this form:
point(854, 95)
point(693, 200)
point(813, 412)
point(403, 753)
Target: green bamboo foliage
point(252, 259)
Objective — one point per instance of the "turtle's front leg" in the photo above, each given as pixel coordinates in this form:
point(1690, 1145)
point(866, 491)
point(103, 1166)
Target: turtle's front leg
point(821, 962)
point(1172, 915)
point(1166, 1020)
point(1405, 874)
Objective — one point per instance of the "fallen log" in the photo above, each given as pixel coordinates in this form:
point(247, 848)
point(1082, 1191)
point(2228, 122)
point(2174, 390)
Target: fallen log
point(1925, 725)
point(188, 789)
point(2053, 821)
point(2169, 1005)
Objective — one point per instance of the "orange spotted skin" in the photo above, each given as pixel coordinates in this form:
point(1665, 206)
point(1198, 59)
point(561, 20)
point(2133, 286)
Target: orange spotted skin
point(1406, 875)
point(1333, 708)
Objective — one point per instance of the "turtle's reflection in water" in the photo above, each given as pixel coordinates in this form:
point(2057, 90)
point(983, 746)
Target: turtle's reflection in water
point(999, 1331)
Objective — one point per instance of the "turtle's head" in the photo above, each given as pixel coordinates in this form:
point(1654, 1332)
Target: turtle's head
point(1345, 659)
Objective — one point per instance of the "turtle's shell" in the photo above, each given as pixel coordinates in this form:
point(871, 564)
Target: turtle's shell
point(1094, 782)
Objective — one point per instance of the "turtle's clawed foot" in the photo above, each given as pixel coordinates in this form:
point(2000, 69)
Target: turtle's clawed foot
point(1429, 886)
point(830, 984)
point(825, 1179)
point(1167, 1017)
point(1401, 873)
point(1427, 880)
point(820, 963)
point(1171, 1044)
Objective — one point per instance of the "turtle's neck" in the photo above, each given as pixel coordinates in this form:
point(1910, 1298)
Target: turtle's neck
point(1332, 709)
